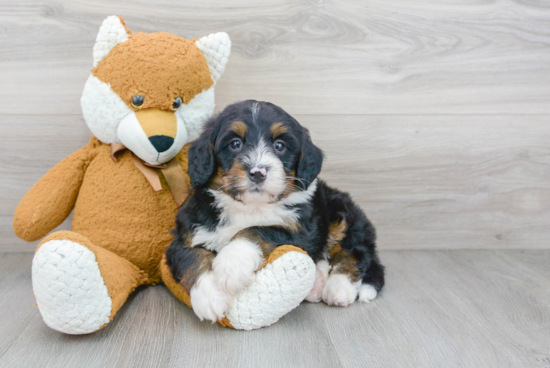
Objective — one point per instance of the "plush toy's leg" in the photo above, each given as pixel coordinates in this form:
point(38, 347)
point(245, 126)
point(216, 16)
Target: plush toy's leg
point(78, 286)
point(279, 286)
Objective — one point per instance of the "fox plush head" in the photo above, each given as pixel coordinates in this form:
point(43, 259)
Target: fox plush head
point(151, 92)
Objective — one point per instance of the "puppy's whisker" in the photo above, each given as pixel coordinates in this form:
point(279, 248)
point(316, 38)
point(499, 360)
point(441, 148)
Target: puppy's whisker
point(298, 179)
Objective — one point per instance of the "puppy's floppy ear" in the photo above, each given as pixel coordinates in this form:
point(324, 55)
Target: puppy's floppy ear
point(201, 159)
point(310, 161)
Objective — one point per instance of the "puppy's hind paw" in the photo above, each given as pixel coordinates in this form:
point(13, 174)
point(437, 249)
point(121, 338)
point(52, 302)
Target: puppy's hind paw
point(339, 291)
point(367, 293)
point(207, 300)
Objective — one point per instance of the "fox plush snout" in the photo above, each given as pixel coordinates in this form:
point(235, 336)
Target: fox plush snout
point(159, 126)
point(154, 135)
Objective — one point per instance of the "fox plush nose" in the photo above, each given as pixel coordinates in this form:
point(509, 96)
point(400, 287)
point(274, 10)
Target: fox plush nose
point(161, 127)
point(161, 142)
point(257, 174)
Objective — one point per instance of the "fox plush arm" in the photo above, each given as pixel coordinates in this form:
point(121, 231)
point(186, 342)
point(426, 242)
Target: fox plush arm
point(48, 203)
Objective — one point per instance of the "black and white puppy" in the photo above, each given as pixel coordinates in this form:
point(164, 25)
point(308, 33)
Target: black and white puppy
point(255, 187)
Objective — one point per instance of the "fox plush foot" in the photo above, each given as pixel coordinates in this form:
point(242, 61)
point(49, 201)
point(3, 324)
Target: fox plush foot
point(79, 287)
point(283, 282)
point(69, 289)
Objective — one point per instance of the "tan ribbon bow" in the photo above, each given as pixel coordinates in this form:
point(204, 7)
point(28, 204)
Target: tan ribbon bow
point(172, 171)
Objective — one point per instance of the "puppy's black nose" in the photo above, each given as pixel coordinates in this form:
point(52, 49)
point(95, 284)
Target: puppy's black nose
point(161, 142)
point(257, 174)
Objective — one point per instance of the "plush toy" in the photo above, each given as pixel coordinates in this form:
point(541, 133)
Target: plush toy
point(146, 97)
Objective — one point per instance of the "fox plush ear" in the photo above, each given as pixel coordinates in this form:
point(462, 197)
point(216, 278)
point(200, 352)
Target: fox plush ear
point(216, 49)
point(112, 32)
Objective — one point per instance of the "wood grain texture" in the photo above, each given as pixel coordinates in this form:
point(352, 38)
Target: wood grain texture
point(313, 57)
point(439, 309)
point(426, 182)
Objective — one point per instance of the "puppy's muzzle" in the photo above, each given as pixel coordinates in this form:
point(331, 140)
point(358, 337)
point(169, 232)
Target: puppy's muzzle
point(257, 174)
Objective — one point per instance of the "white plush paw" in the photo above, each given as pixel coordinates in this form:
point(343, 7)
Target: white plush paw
point(207, 300)
point(367, 293)
point(278, 288)
point(235, 264)
point(340, 291)
point(69, 289)
point(323, 268)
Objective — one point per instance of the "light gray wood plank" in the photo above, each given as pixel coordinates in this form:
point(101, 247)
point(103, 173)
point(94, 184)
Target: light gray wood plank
point(133, 339)
point(454, 308)
point(374, 57)
point(443, 181)
point(17, 304)
point(297, 340)
point(427, 182)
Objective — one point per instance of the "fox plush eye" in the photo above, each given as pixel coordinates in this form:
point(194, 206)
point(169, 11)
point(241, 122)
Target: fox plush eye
point(177, 103)
point(137, 101)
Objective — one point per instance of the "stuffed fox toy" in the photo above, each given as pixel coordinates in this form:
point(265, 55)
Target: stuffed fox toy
point(147, 96)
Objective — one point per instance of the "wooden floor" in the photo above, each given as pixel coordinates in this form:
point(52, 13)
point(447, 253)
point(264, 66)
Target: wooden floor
point(450, 308)
point(434, 115)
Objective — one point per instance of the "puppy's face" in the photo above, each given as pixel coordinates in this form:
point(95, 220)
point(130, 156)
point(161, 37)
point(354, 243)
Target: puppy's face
point(254, 152)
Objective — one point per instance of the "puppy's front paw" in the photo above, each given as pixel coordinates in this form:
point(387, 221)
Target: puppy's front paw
point(339, 291)
point(207, 300)
point(235, 264)
point(314, 296)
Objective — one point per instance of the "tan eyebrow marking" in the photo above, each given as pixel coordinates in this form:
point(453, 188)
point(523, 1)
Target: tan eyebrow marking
point(239, 127)
point(278, 129)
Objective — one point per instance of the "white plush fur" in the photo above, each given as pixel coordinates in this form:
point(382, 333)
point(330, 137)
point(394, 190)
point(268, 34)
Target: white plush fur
point(69, 289)
point(206, 298)
point(132, 136)
point(340, 291)
point(103, 110)
point(197, 112)
point(216, 48)
point(235, 264)
point(111, 33)
point(367, 293)
point(316, 293)
point(236, 216)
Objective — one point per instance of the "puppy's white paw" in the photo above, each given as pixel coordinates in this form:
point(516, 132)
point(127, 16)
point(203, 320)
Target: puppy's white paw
point(340, 291)
point(321, 275)
point(235, 264)
point(367, 293)
point(207, 300)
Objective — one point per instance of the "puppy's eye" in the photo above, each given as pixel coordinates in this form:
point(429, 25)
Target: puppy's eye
point(137, 101)
point(279, 146)
point(236, 144)
point(177, 103)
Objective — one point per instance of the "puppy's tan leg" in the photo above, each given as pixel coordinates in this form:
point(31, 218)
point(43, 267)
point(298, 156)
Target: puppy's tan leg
point(344, 282)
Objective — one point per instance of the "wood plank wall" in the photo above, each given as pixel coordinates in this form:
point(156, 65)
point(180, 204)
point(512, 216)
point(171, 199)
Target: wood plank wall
point(433, 114)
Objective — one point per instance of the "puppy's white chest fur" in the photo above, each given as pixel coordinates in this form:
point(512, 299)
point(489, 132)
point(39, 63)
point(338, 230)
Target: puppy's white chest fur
point(236, 216)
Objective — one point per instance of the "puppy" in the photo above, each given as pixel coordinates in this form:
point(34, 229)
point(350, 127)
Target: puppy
point(255, 187)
